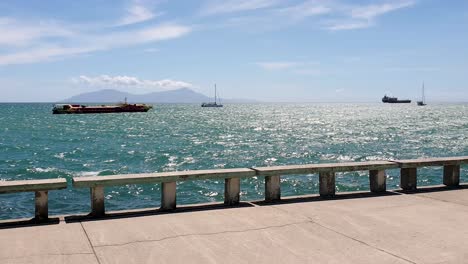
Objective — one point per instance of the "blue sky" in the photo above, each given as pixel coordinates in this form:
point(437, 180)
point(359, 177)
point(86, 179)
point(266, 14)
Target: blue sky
point(271, 50)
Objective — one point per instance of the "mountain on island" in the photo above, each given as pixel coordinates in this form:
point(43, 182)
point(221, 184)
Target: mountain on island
point(182, 95)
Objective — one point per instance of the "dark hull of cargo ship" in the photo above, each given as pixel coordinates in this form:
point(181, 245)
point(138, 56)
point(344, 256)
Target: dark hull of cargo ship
point(399, 102)
point(81, 109)
point(394, 100)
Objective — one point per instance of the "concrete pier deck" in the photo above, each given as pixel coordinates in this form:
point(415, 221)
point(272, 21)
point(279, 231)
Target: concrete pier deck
point(426, 226)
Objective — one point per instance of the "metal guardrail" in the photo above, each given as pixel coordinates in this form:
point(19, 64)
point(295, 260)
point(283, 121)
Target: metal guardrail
point(168, 180)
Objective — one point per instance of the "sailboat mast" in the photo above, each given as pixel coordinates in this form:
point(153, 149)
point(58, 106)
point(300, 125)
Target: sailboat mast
point(423, 96)
point(215, 93)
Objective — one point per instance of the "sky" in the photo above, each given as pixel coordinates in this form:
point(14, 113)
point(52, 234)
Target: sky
point(268, 50)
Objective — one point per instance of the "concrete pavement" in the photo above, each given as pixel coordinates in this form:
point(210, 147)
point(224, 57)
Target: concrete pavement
point(423, 227)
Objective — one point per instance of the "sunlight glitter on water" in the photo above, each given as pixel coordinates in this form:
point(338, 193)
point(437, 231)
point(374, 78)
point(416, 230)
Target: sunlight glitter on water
point(36, 144)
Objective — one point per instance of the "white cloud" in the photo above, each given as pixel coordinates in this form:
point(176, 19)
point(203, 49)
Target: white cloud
point(137, 13)
point(19, 33)
point(161, 32)
point(280, 15)
point(23, 41)
point(323, 14)
point(306, 9)
point(348, 25)
point(42, 54)
point(277, 65)
point(358, 17)
point(86, 43)
point(372, 11)
point(31, 41)
point(214, 7)
point(130, 81)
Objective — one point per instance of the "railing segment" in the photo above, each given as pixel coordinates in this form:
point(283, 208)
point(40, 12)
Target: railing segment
point(41, 189)
point(272, 175)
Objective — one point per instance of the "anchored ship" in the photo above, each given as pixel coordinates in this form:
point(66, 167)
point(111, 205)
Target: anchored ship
point(423, 99)
point(394, 100)
point(212, 104)
point(98, 109)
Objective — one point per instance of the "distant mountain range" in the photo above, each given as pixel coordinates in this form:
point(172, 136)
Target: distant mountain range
point(182, 95)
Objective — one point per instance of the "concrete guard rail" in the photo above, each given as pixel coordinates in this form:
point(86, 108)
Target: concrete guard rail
point(41, 189)
point(168, 180)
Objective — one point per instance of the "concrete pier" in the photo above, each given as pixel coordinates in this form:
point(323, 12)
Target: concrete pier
point(168, 196)
point(409, 179)
point(231, 191)
point(427, 226)
point(327, 184)
point(272, 188)
point(452, 175)
point(41, 205)
point(97, 201)
point(378, 181)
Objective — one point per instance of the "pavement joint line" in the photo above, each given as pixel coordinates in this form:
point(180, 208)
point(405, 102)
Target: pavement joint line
point(350, 237)
point(90, 243)
point(201, 234)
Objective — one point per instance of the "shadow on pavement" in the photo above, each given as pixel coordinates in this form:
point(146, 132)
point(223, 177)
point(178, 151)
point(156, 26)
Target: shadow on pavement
point(317, 198)
point(429, 189)
point(154, 211)
point(28, 222)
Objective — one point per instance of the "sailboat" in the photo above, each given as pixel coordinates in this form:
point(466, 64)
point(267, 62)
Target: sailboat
point(423, 99)
point(212, 104)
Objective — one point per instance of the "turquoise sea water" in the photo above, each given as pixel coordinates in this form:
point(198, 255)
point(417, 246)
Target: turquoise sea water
point(34, 144)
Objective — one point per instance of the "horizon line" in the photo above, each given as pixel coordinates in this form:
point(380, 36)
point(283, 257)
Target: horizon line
point(257, 102)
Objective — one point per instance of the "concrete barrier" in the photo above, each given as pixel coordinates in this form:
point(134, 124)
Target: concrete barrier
point(232, 177)
point(272, 176)
point(409, 170)
point(41, 189)
point(168, 182)
point(326, 173)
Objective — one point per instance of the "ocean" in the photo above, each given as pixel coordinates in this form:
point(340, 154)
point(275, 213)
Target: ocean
point(34, 144)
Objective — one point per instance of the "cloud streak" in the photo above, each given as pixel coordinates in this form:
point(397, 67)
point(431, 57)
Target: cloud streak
point(358, 17)
point(216, 7)
point(23, 41)
point(15, 33)
point(305, 9)
point(348, 25)
point(372, 11)
point(326, 15)
point(39, 50)
point(137, 13)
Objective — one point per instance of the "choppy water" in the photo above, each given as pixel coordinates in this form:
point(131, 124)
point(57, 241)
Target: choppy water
point(34, 144)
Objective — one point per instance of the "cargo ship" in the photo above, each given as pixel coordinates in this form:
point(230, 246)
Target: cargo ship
point(98, 109)
point(394, 100)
